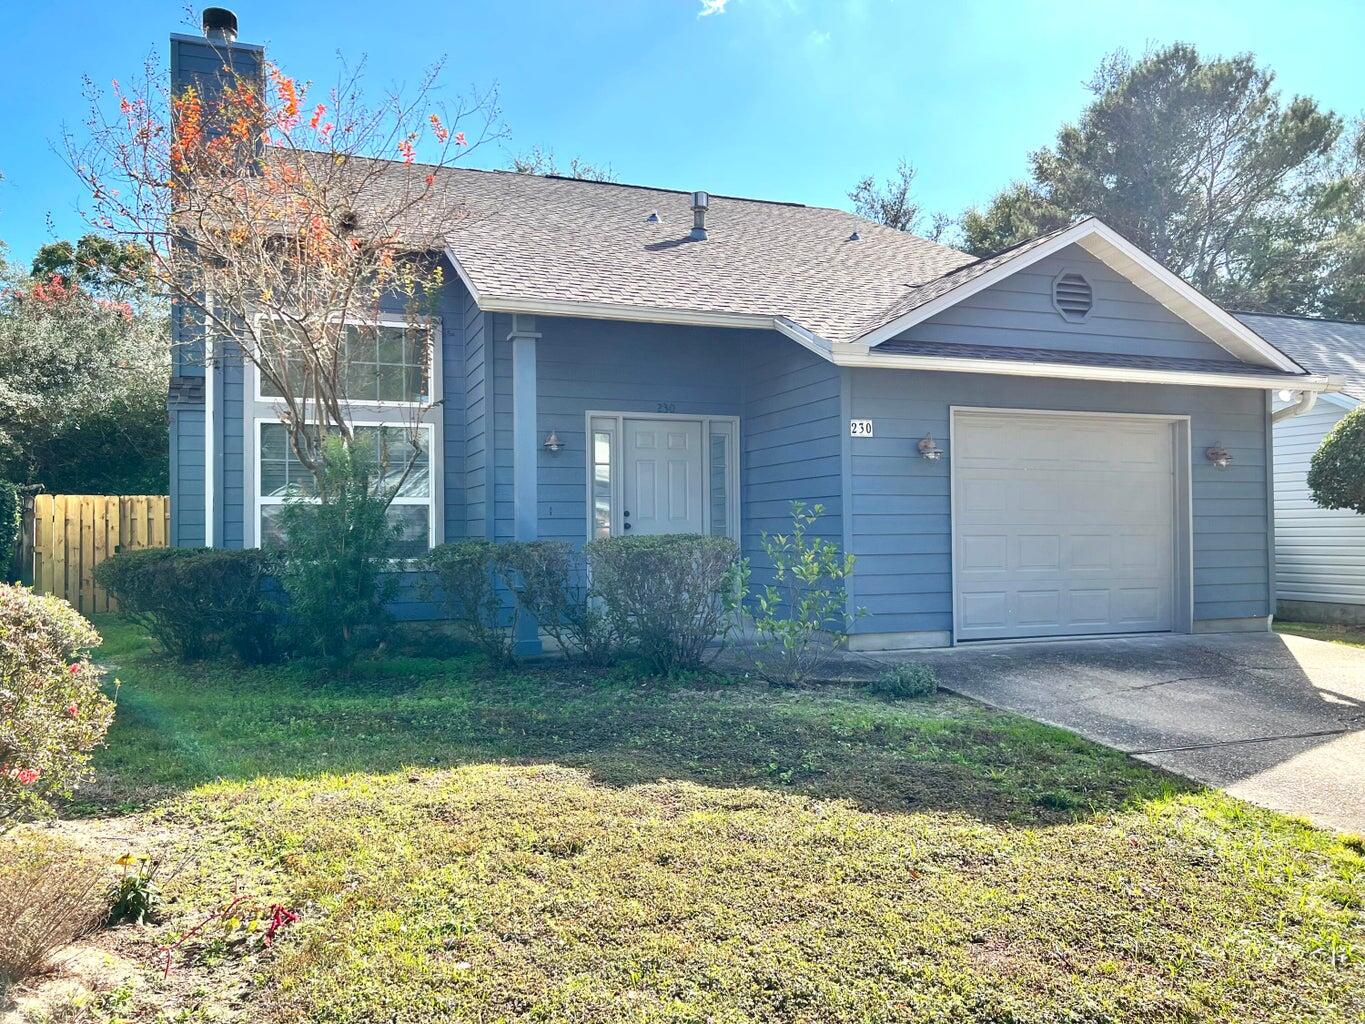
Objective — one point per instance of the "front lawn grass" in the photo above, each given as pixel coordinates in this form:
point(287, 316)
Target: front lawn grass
point(547, 845)
point(1338, 633)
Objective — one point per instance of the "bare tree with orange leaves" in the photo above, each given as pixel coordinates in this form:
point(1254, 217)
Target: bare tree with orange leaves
point(282, 225)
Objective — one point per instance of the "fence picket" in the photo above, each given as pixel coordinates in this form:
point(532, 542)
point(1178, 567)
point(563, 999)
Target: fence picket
point(70, 534)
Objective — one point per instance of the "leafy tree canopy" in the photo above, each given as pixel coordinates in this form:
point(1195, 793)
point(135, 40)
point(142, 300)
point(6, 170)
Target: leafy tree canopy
point(97, 265)
point(1255, 199)
point(892, 203)
point(1202, 164)
point(83, 382)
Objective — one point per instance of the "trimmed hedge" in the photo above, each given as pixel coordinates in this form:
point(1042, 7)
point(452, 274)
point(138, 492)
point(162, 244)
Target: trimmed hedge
point(1336, 476)
point(197, 602)
point(674, 598)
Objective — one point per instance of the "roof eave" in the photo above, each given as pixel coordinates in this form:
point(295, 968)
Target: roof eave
point(861, 357)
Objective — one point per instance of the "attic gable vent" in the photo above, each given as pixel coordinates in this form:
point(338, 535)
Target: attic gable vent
point(1072, 296)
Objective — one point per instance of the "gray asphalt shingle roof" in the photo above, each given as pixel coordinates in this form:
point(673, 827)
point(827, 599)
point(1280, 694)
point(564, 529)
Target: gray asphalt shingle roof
point(551, 239)
point(532, 237)
point(1334, 347)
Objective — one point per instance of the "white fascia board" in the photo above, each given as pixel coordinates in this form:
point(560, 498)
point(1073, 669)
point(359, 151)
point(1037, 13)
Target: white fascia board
point(1024, 368)
point(1122, 256)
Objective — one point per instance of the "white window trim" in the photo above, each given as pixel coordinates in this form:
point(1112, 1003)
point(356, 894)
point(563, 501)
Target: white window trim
point(432, 476)
point(618, 421)
point(434, 355)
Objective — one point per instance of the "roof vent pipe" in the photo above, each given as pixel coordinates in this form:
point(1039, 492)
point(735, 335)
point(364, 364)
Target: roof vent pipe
point(700, 201)
point(220, 24)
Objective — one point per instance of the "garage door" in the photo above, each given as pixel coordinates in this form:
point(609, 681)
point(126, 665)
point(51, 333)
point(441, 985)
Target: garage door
point(1063, 525)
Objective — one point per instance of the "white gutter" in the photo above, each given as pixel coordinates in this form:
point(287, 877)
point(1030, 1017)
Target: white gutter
point(1307, 399)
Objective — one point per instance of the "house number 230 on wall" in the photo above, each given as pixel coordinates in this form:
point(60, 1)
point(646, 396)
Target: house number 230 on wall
point(859, 428)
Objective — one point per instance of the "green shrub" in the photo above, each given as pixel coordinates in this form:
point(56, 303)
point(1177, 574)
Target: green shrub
point(466, 572)
point(804, 603)
point(1336, 476)
point(549, 581)
point(670, 597)
point(9, 527)
point(903, 682)
point(52, 711)
point(335, 566)
point(196, 602)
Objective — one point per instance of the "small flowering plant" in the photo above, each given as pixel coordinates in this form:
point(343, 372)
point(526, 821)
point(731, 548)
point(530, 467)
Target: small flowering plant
point(53, 712)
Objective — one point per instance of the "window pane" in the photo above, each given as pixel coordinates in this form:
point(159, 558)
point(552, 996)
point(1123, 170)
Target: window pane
point(362, 381)
point(390, 384)
point(281, 471)
point(720, 483)
point(413, 523)
point(272, 536)
point(601, 484)
point(390, 341)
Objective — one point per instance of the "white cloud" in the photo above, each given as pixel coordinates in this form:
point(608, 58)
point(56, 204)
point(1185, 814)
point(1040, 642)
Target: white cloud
point(709, 7)
point(817, 38)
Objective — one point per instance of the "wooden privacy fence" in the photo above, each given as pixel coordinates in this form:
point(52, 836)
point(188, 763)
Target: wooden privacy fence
point(69, 534)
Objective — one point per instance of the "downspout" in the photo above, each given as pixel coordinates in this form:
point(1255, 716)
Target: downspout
point(1307, 399)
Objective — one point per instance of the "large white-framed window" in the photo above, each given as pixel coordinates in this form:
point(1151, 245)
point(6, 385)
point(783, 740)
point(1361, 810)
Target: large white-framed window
point(605, 470)
point(393, 391)
point(391, 362)
point(280, 477)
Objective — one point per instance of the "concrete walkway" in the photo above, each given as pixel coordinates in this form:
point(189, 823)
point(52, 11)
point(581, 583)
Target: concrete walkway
point(1277, 720)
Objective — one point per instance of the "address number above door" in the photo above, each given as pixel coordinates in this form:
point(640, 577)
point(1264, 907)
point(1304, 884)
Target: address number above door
point(860, 428)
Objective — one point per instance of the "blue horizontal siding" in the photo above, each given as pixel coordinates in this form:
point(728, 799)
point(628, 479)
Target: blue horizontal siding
point(901, 511)
point(1018, 312)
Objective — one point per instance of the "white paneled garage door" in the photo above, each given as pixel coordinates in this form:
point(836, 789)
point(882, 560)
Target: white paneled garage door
point(1063, 525)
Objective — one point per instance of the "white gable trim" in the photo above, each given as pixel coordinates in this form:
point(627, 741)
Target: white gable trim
point(1123, 257)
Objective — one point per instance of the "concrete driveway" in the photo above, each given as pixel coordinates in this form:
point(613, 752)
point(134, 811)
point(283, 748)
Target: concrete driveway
point(1277, 720)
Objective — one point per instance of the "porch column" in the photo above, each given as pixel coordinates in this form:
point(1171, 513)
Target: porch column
point(525, 454)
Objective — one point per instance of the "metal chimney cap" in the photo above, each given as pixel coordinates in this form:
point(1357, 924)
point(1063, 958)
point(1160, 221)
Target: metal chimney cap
point(701, 200)
point(220, 23)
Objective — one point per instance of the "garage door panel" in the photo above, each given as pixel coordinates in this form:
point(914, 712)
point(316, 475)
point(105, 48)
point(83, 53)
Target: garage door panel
point(1063, 525)
point(985, 609)
point(1039, 552)
point(1040, 608)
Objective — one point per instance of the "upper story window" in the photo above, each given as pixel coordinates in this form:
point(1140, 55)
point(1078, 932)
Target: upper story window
point(383, 364)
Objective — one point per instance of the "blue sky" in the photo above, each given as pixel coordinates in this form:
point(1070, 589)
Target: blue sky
point(780, 99)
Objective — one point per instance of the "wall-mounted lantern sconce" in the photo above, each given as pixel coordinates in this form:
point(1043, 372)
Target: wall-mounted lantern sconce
point(1219, 456)
point(929, 449)
point(553, 443)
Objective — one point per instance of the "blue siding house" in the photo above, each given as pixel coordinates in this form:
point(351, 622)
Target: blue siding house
point(1061, 440)
point(1319, 553)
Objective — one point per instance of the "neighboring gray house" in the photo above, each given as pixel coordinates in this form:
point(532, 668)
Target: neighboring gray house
point(1062, 440)
point(1319, 553)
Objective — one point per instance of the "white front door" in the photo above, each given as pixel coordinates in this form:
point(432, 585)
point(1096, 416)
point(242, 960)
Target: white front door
point(663, 486)
point(1065, 525)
